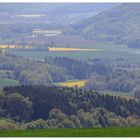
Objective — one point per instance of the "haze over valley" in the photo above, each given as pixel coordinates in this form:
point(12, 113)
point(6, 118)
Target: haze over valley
point(69, 65)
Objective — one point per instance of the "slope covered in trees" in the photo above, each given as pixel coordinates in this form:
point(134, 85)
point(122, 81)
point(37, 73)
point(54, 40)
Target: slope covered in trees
point(119, 24)
point(38, 107)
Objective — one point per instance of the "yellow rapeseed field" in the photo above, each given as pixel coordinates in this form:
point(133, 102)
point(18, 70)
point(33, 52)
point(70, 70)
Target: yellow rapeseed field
point(79, 83)
point(72, 49)
point(7, 46)
point(14, 46)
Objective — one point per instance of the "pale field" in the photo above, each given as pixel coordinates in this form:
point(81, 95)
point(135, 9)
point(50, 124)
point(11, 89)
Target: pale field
point(14, 46)
point(43, 31)
point(31, 15)
point(79, 83)
point(72, 49)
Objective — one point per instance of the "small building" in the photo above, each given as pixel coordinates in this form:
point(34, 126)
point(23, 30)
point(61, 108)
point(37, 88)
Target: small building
point(3, 51)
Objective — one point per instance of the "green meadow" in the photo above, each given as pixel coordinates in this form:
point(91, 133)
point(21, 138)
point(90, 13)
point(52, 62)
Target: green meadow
point(81, 132)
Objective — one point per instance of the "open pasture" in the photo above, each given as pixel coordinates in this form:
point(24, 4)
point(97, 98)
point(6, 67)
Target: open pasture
point(75, 132)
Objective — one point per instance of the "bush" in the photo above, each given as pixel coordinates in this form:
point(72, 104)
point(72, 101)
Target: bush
point(8, 125)
point(38, 124)
point(18, 107)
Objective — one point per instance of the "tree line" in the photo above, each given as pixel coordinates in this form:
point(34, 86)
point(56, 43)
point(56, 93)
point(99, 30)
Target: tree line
point(115, 75)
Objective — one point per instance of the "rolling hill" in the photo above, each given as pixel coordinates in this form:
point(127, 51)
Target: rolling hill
point(53, 8)
point(20, 19)
point(119, 24)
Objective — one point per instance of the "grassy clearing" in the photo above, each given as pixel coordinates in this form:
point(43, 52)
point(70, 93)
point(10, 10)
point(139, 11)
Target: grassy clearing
point(81, 132)
point(78, 83)
point(8, 82)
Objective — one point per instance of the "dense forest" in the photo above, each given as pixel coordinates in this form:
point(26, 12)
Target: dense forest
point(37, 107)
point(115, 75)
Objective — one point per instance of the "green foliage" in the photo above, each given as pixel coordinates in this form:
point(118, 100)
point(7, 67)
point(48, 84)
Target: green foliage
point(57, 114)
point(7, 124)
point(91, 109)
point(102, 74)
point(68, 123)
point(120, 78)
point(115, 75)
point(2, 104)
point(61, 119)
point(28, 71)
point(86, 119)
point(136, 92)
point(76, 121)
point(79, 69)
point(18, 107)
point(38, 124)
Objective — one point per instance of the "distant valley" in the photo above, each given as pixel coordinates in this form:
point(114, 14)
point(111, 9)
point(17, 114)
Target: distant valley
point(69, 65)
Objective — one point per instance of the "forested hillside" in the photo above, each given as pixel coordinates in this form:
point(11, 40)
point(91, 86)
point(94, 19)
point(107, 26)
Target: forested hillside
point(38, 107)
point(120, 25)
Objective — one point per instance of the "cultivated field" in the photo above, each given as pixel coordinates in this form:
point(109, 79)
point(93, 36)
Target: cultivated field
point(132, 57)
point(80, 132)
point(110, 50)
point(78, 83)
point(30, 15)
point(14, 47)
point(72, 49)
point(45, 32)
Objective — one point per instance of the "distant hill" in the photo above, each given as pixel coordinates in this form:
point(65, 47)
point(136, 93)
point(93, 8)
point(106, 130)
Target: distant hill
point(53, 8)
point(120, 24)
point(22, 18)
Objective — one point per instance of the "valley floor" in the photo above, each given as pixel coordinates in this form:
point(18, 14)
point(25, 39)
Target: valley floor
point(81, 132)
